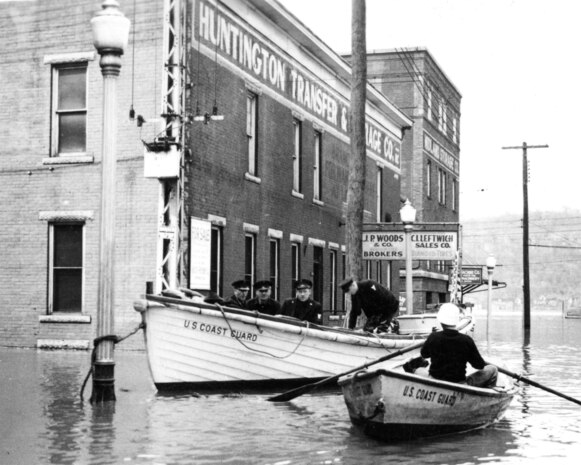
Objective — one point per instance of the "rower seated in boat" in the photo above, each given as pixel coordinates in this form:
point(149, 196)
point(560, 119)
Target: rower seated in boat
point(449, 351)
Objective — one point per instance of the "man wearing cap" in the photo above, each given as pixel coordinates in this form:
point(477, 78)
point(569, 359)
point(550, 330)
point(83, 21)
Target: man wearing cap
point(449, 351)
point(302, 306)
point(378, 303)
point(240, 296)
point(262, 302)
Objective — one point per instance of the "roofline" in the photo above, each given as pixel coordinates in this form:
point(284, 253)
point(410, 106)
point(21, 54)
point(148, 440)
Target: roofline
point(320, 50)
point(415, 49)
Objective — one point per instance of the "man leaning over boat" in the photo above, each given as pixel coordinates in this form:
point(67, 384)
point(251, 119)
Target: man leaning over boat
point(378, 304)
point(449, 351)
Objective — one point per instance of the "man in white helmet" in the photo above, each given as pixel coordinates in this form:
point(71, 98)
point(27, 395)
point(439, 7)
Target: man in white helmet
point(449, 351)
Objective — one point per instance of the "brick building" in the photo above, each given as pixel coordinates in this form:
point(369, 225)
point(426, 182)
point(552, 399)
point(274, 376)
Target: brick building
point(264, 188)
point(414, 81)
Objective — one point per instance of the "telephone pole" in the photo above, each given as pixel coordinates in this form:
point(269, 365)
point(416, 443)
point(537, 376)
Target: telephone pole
point(525, 238)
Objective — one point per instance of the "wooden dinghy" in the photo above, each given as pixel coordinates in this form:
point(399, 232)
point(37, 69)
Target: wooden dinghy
point(194, 345)
point(393, 405)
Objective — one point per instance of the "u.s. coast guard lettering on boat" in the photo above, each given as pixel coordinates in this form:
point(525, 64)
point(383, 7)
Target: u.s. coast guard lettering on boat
point(220, 330)
point(429, 396)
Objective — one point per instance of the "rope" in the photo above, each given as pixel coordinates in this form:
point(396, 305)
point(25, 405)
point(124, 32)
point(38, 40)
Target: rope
point(257, 350)
point(96, 342)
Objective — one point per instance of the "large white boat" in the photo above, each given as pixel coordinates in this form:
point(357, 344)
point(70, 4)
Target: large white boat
point(195, 345)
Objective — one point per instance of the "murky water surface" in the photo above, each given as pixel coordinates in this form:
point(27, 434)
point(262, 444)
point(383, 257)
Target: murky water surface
point(43, 420)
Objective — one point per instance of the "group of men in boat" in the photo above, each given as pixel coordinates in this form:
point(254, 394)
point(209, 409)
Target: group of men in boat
point(379, 305)
point(448, 350)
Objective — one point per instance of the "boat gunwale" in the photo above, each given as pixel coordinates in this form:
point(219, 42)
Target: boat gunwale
point(433, 382)
point(366, 337)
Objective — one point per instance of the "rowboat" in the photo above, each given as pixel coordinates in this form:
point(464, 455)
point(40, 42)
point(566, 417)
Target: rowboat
point(195, 345)
point(392, 405)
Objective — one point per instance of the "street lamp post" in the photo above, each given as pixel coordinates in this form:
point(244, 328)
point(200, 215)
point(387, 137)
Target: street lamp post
point(408, 217)
point(490, 264)
point(110, 35)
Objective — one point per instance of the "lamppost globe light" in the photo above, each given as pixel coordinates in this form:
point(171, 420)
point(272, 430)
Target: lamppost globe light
point(110, 28)
point(407, 213)
point(490, 263)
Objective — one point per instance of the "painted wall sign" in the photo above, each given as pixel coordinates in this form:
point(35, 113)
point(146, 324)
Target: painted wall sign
point(426, 245)
point(227, 35)
point(200, 253)
point(441, 154)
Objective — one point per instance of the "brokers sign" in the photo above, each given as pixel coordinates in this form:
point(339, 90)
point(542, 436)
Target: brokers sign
point(426, 245)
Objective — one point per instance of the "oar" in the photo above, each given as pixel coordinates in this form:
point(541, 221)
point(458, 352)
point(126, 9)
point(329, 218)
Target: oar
point(293, 393)
point(534, 383)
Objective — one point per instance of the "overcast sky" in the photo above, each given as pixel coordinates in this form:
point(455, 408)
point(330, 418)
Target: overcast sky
point(516, 64)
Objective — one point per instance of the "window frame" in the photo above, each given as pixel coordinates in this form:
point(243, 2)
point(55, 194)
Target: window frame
point(379, 195)
point(56, 112)
point(251, 132)
point(295, 264)
point(297, 155)
point(274, 266)
point(217, 258)
point(429, 179)
point(250, 266)
point(317, 166)
point(51, 267)
point(333, 281)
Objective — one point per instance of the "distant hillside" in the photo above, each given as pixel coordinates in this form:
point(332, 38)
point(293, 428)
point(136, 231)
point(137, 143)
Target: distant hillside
point(554, 254)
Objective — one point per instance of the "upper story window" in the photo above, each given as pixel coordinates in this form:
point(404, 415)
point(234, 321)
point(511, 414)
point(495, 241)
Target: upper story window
point(441, 186)
point(430, 109)
point(297, 155)
point(455, 130)
point(379, 195)
point(69, 109)
point(454, 195)
point(317, 167)
point(429, 178)
point(441, 116)
point(251, 125)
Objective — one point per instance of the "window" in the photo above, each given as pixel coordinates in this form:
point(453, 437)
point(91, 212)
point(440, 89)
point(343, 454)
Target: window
point(429, 178)
point(454, 195)
point(445, 120)
point(379, 271)
point(297, 155)
point(368, 269)
point(343, 276)
point(455, 130)
point(275, 267)
point(251, 125)
point(65, 267)
point(379, 195)
point(317, 169)
point(295, 264)
point(333, 281)
point(249, 257)
point(441, 116)
point(69, 114)
point(441, 186)
point(318, 274)
point(430, 109)
point(216, 260)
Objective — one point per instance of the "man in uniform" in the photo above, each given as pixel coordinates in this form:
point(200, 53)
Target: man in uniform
point(302, 306)
point(377, 303)
point(240, 296)
point(262, 302)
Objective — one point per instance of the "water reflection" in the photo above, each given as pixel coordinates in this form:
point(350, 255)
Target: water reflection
point(47, 423)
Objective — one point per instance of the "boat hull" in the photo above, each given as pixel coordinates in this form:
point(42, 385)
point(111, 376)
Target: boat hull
point(393, 405)
point(209, 347)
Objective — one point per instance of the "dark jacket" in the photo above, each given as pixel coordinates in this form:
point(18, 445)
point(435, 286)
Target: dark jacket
point(309, 310)
point(378, 303)
point(235, 302)
point(448, 351)
point(270, 306)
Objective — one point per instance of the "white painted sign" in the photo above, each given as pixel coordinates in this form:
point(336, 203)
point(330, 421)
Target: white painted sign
point(200, 253)
point(426, 245)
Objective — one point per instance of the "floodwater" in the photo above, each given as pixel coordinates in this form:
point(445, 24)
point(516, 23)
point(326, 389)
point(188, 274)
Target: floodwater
point(43, 420)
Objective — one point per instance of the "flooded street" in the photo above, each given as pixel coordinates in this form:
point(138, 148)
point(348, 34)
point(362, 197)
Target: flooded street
point(45, 422)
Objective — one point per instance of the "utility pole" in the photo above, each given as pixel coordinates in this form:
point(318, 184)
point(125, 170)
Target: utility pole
point(356, 178)
point(525, 239)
